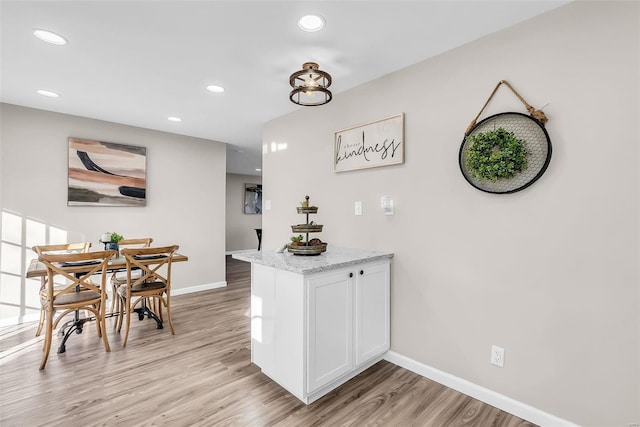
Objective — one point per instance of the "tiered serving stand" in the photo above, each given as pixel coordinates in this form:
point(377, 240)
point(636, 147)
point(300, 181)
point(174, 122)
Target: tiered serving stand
point(308, 227)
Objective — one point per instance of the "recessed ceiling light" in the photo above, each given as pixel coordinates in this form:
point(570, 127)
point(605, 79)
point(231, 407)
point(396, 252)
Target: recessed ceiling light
point(311, 23)
point(49, 37)
point(174, 119)
point(215, 89)
point(48, 93)
point(258, 170)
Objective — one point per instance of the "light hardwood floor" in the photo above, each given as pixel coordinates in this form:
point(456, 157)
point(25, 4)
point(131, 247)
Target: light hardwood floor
point(203, 376)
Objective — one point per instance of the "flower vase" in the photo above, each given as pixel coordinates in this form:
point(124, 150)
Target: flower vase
point(111, 246)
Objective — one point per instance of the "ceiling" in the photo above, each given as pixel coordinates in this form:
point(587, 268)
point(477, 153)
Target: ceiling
point(139, 62)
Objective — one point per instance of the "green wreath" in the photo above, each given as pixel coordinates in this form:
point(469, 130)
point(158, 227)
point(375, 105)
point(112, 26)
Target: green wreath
point(495, 155)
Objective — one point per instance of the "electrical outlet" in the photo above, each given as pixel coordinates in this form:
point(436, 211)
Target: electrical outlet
point(497, 356)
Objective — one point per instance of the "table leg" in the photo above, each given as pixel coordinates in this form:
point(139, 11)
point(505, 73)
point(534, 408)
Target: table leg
point(143, 309)
point(73, 326)
point(259, 234)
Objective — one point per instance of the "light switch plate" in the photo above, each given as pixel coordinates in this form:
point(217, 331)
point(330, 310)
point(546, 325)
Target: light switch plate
point(386, 202)
point(358, 208)
point(267, 205)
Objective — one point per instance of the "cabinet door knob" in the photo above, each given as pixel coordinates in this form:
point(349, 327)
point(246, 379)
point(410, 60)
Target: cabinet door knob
point(361, 272)
point(350, 274)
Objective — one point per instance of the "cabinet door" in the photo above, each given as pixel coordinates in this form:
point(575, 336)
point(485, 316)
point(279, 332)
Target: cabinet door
point(372, 311)
point(330, 327)
point(263, 317)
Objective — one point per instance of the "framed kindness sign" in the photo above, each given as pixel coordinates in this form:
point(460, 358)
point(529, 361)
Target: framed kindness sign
point(370, 145)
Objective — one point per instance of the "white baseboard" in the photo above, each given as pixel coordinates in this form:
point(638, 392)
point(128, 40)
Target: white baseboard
point(199, 288)
point(483, 394)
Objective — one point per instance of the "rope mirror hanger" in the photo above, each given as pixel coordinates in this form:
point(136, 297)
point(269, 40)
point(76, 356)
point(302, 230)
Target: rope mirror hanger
point(506, 152)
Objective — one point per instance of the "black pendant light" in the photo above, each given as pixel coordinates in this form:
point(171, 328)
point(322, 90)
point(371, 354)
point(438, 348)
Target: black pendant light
point(310, 86)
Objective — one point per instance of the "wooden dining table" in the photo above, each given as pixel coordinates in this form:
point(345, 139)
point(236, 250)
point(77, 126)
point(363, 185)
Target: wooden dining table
point(37, 269)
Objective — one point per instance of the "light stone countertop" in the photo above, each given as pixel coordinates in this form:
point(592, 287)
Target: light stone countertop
point(333, 258)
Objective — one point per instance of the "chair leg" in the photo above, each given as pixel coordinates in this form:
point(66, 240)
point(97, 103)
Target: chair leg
point(114, 295)
point(99, 328)
point(121, 310)
point(43, 284)
point(167, 306)
point(126, 334)
point(48, 339)
point(118, 313)
point(157, 307)
point(116, 302)
point(102, 321)
point(40, 322)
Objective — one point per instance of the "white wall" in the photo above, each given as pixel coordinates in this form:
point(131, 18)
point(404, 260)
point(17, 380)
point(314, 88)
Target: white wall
point(549, 273)
point(240, 227)
point(185, 187)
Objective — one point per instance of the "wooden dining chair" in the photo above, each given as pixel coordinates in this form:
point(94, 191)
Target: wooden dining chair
point(120, 277)
point(79, 247)
point(153, 284)
point(79, 293)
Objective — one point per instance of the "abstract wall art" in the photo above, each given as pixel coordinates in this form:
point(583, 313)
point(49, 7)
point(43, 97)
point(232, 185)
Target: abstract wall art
point(106, 174)
point(253, 199)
